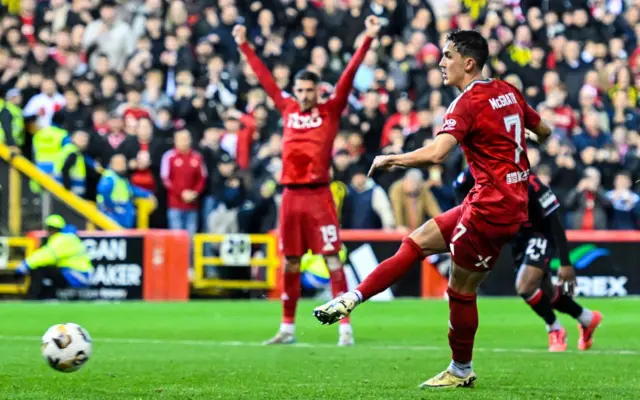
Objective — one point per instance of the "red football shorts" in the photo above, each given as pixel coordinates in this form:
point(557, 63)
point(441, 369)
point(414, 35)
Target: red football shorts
point(308, 220)
point(474, 242)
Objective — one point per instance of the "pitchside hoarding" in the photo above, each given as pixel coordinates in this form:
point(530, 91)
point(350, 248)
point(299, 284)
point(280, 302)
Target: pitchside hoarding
point(118, 271)
point(606, 265)
point(603, 269)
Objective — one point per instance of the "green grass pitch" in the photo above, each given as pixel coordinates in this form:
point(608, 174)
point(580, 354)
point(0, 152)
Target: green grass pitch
point(211, 350)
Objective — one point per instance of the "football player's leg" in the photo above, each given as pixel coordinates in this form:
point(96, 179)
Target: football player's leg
point(424, 241)
point(293, 248)
point(290, 296)
point(528, 286)
point(475, 247)
point(428, 239)
point(339, 287)
point(588, 320)
point(463, 324)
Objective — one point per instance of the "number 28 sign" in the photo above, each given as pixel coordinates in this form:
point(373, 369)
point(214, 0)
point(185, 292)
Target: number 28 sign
point(235, 250)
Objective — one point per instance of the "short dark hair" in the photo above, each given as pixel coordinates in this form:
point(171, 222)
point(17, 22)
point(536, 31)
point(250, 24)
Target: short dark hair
point(470, 44)
point(306, 75)
point(625, 173)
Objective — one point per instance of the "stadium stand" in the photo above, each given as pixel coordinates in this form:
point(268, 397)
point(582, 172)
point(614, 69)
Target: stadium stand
point(135, 74)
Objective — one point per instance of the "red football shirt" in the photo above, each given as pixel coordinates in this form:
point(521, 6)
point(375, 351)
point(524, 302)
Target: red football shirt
point(308, 136)
point(489, 119)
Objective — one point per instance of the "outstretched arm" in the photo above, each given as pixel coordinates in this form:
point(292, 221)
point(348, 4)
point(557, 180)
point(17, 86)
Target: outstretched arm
point(262, 72)
point(345, 83)
point(434, 153)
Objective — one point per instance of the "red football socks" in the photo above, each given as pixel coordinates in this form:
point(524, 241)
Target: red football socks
point(463, 323)
point(339, 287)
point(391, 269)
point(290, 296)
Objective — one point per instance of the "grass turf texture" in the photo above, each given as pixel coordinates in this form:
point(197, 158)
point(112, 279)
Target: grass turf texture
point(211, 350)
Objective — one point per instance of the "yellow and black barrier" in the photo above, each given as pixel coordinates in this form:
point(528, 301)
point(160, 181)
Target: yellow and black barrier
point(13, 250)
point(235, 250)
point(82, 207)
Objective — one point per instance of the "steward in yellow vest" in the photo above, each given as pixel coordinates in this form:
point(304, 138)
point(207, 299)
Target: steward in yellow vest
point(63, 260)
point(116, 194)
point(12, 103)
point(70, 168)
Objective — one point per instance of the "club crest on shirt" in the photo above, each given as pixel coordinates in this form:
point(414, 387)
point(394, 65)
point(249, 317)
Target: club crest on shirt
point(448, 125)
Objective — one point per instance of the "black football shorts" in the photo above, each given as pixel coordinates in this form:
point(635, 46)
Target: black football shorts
point(533, 250)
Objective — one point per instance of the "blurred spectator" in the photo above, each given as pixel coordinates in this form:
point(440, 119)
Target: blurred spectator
point(109, 35)
point(71, 167)
point(588, 202)
point(74, 115)
point(624, 203)
point(131, 74)
point(230, 197)
point(116, 195)
point(412, 201)
point(406, 118)
point(184, 175)
point(593, 136)
point(144, 152)
point(370, 121)
point(6, 126)
point(367, 205)
point(42, 106)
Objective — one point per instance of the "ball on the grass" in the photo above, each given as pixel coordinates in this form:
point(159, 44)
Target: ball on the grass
point(66, 347)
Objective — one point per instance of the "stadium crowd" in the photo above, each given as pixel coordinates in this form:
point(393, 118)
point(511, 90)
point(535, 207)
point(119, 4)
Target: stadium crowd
point(162, 83)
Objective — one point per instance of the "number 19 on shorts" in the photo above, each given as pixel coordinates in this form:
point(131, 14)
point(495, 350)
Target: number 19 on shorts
point(329, 234)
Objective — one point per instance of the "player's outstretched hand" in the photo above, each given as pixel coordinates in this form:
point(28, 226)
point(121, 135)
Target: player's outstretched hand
point(381, 162)
point(372, 25)
point(239, 34)
point(567, 279)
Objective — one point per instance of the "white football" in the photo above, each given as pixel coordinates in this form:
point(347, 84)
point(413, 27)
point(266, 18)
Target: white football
point(66, 347)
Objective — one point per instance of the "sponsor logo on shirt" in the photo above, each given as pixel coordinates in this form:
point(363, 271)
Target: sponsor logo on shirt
point(547, 199)
point(448, 125)
point(297, 121)
point(515, 177)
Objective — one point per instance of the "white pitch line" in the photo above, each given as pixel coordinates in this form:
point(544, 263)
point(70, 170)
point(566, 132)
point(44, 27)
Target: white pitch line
point(322, 345)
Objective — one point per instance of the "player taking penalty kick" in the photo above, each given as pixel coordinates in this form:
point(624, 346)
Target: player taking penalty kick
point(308, 217)
point(488, 119)
point(539, 239)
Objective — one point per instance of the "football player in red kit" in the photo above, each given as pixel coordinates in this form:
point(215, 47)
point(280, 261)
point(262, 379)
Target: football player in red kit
point(308, 217)
point(488, 119)
point(539, 240)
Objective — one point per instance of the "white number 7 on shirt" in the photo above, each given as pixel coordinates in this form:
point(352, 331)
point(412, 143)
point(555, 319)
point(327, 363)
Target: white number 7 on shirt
point(514, 120)
point(461, 231)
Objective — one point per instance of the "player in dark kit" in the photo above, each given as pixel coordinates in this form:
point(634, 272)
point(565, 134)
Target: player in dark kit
point(488, 119)
point(533, 249)
point(308, 217)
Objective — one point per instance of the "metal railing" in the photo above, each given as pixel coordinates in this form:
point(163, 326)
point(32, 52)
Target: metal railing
point(234, 251)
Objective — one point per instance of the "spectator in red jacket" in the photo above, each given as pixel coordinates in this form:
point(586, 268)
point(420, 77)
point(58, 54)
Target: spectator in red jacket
point(184, 174)
point(406, 118)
